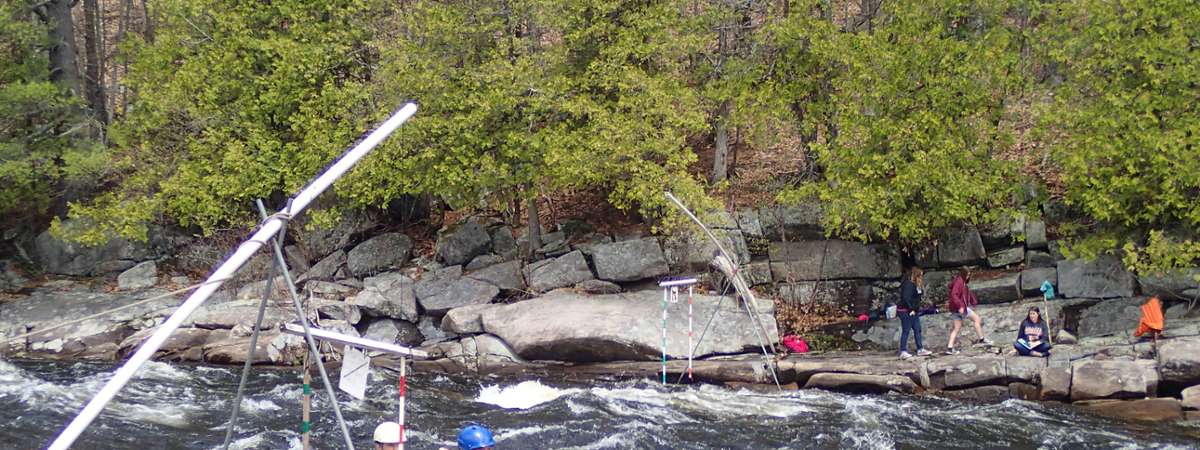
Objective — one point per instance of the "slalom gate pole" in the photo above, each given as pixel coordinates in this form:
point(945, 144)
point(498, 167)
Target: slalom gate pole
point(690, 349)
point(244, 252)
point(306, 401)
point(403, 392)
point(664, 336)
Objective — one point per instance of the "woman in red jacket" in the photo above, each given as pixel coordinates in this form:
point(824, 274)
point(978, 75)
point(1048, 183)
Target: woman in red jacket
point(962, 303)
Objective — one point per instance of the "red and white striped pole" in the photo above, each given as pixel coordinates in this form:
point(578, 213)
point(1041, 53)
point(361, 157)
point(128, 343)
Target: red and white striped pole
point(403, 391)
point(689, 368)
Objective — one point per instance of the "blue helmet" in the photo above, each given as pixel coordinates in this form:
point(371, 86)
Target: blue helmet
point(475, 436)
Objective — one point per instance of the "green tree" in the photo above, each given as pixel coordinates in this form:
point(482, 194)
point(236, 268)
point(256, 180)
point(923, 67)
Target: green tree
point(1128, 126)
point(234, 101)
point(915, 112)
point(44, 150)
point(522, 96)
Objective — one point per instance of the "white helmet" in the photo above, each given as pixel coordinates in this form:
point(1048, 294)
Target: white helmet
point(387, 433)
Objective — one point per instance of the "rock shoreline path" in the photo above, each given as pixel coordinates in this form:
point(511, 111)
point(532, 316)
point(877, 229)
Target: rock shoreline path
point(586, 304)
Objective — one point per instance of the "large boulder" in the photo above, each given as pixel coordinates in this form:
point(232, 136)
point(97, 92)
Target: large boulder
point(506, 276)
point(388, 295)
point(860, 383)
point(1035, 234)
point(240, 314)
point(1038, 258)
point(695, 251)
point(960, 247)
point(620, 327)
point(1179, 361)
point(1024, 368)
point(1171, 285)
point(1032, 279)
point(832, 259)
point(1114, 316)
point(801, 221)
point(459, 244)
point(563, 271)
point(630, 260)
point(461, 292)
point(226, 347)
point(65, 258)
point(465, 319)
point(842, 294)
point(1002, 234)
point(997, 288)
point(317, 242)
point(393, 332)
point(141, 276)
point(380, 253)
point(1191, 397)
point(750, 223)
point(1107, 379)
point(960, 372)
point(326, 269)
point(504, 243)
point(97, 338)
point(1055, 383)
point(336, 310)
point(1105, 277)
point(491, 351)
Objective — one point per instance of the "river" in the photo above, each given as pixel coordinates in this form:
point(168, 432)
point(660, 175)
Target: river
point(185, 407)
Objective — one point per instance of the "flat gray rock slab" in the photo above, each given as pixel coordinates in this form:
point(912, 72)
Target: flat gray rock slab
point(141, 276)
point(461, 292)
point(1105, 277)
point(1107, 379)
point(506, 276)
point(564, 271)
point(630, 260)
point(619, 327)
point(833, 259)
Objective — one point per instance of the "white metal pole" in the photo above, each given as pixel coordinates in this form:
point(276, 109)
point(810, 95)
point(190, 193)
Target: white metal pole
point(224, 271)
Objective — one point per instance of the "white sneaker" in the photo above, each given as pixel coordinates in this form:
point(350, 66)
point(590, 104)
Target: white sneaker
point(985, 341)
point(905, 355)
point(923, 352)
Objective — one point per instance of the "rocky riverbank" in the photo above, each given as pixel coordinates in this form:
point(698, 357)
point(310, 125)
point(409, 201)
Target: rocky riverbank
point(587, 306)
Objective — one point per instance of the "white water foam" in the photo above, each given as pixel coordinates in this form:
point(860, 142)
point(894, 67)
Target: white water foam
point(523, 395)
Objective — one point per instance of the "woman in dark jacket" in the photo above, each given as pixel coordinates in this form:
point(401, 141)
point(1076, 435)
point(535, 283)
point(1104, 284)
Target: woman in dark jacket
point(1031, 337)
point(909, 310)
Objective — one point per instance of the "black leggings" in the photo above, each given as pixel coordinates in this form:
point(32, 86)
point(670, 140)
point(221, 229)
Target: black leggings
point(1042, 348)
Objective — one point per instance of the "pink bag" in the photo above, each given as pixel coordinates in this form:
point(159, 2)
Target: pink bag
point(795, 344)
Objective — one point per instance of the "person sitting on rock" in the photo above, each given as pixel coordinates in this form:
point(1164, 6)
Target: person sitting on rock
point(1031, 336)
point(962, 300)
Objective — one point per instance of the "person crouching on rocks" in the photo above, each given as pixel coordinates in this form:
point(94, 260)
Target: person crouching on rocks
point(1031, 337)
point(911, 291)
point(962, 302)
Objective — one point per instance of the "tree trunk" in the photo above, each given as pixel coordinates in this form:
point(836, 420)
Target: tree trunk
point(722, 143)
point(94, 66)
point(63, 70)
point(533, 232)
